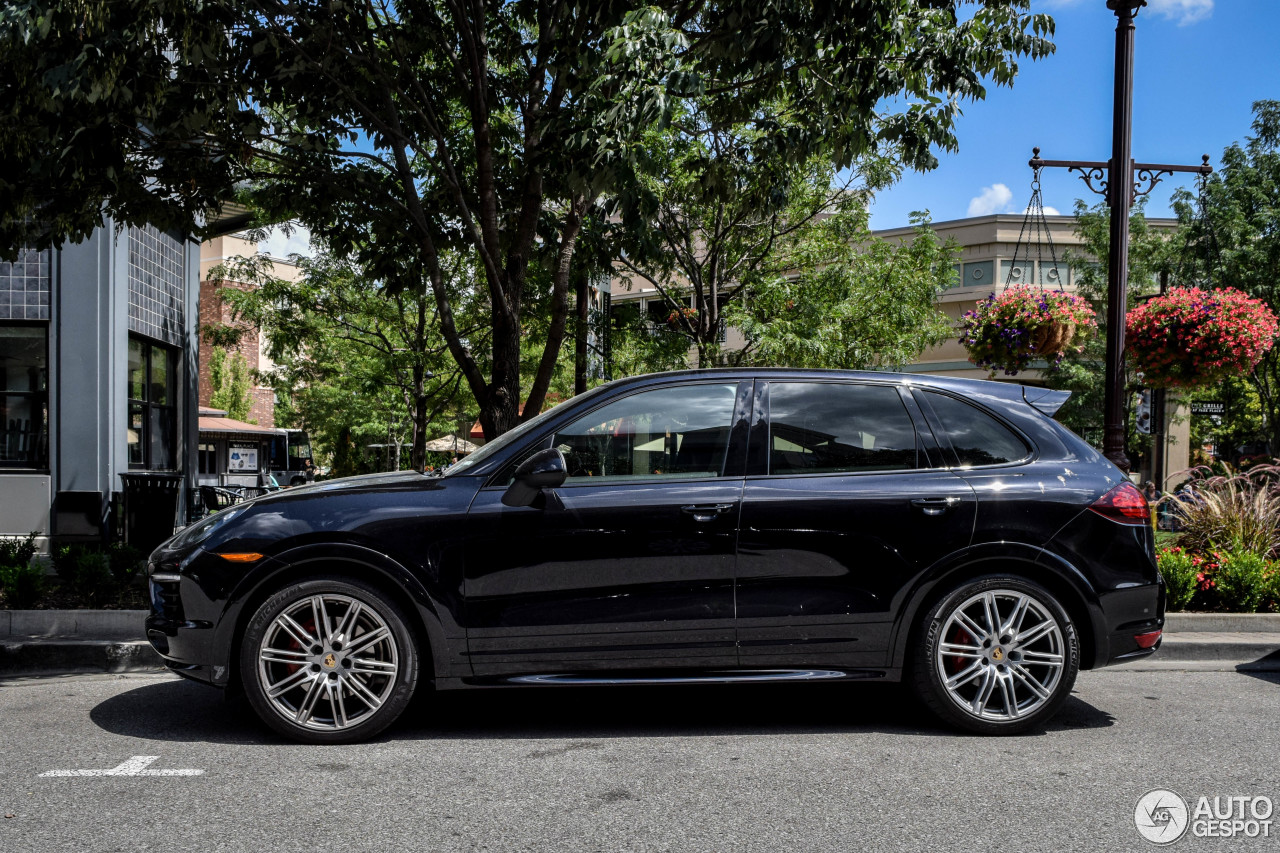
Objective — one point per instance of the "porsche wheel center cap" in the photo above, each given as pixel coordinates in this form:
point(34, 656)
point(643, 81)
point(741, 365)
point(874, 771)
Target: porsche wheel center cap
point(330, 661)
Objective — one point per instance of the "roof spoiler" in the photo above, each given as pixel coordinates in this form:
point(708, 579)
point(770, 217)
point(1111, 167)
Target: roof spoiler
point(1047, 400)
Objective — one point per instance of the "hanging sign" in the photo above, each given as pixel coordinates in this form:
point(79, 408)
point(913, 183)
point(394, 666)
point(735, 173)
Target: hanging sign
point(1209, 407)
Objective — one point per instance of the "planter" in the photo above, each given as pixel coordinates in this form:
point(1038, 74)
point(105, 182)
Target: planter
point(1189, 337)
point(1007, 331)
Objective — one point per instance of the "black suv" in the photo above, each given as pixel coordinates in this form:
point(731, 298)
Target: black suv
point(725, 525)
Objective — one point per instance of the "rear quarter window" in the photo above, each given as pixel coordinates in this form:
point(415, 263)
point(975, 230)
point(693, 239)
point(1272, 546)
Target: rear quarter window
point(976, 437)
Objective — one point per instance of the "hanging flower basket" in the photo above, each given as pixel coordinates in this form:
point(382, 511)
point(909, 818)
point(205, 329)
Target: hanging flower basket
point(1007, 331)
point(1190, 336)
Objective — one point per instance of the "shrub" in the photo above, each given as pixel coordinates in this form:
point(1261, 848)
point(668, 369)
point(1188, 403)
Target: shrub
point(20, 579)
point(1179, 571)
point(83, 569)
point(1243, 581)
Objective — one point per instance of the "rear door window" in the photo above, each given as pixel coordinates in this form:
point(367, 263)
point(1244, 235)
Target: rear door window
point(976, 437)
point(824, 428)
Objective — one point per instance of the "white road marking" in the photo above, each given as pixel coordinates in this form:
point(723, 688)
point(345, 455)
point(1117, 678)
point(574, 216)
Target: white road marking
point(136, 766)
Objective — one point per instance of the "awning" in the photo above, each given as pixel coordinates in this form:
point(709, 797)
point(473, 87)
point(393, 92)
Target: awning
point(215, 427)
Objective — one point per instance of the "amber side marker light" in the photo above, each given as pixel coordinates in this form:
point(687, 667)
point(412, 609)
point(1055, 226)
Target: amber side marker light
point(241, 558)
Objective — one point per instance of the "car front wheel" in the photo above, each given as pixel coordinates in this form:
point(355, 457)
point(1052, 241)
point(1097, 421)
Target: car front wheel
point(329, 661)
point(997, 655)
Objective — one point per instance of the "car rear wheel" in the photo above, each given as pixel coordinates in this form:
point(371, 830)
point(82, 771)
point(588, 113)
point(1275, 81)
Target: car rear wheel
point(997, 655)
point(329, 661)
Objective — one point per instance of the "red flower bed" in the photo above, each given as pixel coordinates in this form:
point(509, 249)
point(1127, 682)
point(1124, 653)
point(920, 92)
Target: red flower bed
point(1190, 336)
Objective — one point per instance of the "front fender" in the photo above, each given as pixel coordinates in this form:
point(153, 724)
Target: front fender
point(298, 563)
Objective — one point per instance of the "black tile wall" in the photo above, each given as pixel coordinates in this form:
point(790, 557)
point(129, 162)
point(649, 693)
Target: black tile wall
point(24, 286)
point(156, 285)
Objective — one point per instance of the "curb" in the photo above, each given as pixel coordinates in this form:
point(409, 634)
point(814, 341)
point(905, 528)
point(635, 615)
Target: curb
point(50, 657)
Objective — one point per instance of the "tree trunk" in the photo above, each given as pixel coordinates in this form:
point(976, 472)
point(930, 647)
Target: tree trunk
point(580, 335)
point(418, 458)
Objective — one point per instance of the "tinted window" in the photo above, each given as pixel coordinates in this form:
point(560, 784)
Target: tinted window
point(668, 432)
point(978, 438)
point(817, 428)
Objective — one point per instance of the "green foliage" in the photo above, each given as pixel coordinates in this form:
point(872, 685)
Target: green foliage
point(1179, 569)
point(95, 574)
point(854, 302)
point(229, 376)
point(1236, 244)
point(344, 457)
point(401, 132)
point(21, 580)
point(354, 353)
point(1244, 581)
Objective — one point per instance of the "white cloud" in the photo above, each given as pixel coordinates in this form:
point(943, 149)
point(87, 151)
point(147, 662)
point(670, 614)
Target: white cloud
point(1049, 210)
point(992, 199)
point(277, 245)
point(1185, 11)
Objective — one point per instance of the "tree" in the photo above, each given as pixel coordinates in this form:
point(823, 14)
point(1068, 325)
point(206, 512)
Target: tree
point(1236, 243)
point(335, 331)
point(400, 132)
point(855, 301)
point(229, 376)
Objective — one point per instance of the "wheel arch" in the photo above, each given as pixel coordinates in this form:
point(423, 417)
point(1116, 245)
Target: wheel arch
point(1073, 591)
point(338, 560)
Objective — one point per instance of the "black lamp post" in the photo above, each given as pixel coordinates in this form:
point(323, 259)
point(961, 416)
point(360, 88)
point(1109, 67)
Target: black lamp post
point(1121, 189)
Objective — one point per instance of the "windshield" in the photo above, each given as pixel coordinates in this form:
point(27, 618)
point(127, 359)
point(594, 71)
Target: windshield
point(474, 459)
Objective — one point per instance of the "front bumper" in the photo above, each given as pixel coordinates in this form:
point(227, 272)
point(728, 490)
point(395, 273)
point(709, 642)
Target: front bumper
point(185, 644)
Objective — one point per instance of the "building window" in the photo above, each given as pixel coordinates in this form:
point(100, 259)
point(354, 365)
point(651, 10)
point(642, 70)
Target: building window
point(153, 437)
point(208, 458)
point(24, 396)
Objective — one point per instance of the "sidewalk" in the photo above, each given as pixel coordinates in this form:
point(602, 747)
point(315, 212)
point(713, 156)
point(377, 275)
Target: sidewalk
point(49, 642)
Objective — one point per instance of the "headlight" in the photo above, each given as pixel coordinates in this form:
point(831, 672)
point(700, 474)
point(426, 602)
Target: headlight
point(202, 530)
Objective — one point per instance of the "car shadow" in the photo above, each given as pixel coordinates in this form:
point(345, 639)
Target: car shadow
point(181, 711)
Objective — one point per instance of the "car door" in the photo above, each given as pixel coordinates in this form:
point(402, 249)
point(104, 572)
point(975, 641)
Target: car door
point(629, 564)
point(845, 504)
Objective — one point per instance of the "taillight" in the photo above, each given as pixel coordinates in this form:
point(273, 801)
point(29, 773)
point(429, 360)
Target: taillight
point(1124, 505)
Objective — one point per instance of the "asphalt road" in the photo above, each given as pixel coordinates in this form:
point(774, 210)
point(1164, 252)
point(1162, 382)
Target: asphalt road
point(758, 768)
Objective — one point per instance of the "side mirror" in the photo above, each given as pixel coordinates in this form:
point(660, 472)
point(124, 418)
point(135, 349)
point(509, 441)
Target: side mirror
point(545, 469)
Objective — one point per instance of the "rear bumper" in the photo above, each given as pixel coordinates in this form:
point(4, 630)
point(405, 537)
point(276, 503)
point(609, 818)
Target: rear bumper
point(1124, 614)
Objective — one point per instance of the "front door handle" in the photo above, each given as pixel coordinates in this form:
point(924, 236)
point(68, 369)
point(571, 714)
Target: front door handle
point(935, 506)
point(706, 512)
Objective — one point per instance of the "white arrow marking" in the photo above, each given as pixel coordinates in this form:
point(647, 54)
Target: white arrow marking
point(136, 766)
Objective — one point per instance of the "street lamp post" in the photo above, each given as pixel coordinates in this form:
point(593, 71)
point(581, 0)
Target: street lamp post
point(1121, 189)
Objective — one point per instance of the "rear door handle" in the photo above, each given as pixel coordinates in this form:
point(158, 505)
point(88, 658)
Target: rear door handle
point(706, 512)
point(935, 506)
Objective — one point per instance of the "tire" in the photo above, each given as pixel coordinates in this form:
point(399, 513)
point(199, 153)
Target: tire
point(996, 682)
point(348, 681)
point(297, 481)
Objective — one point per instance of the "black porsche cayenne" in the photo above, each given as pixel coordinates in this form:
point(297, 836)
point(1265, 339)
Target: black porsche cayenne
point(703, 526)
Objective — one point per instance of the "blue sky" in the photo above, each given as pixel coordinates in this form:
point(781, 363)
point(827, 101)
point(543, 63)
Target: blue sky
point(1198, 67)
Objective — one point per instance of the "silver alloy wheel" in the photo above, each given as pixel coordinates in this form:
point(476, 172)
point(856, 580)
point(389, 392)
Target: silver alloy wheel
point(1001, 655)
point(328, 662)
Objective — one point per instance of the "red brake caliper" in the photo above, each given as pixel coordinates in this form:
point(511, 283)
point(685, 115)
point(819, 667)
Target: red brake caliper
point(961, 638)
